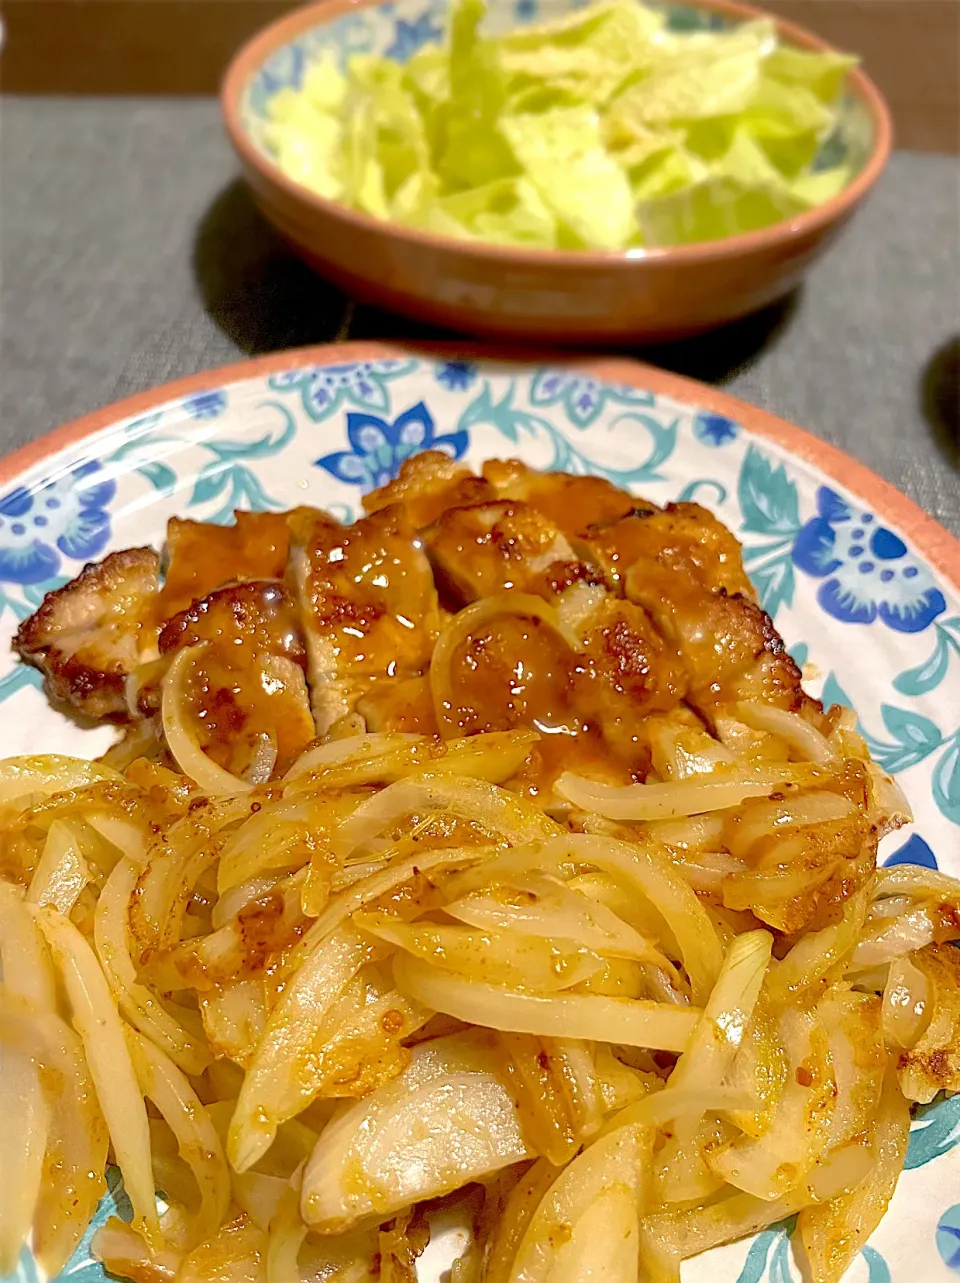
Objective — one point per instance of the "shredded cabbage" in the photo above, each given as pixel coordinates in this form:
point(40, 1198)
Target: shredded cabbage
point(600, 131)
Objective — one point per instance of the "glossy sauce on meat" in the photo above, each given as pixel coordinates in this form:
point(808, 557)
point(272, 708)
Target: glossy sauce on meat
point(202, 557)
point(519, 672)
point(248, 680)
point(310, 627)
point(572, 503)
point(368, 604)
point(491, 548)
point(427, 485)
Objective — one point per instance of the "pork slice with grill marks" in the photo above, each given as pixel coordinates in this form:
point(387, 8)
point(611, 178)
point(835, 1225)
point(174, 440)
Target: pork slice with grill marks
point(368, 606)
point(427, 485)
point(86, 637)
point(685, 568)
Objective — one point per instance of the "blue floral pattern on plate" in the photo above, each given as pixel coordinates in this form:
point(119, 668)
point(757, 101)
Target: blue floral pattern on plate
point(867, 569)
point(714, 429)
point(206, 405)
point(457, 376)
point(411, 36)
point(377, 448)
point(582, 397)
point(326, 434)
point(63, 517)
point(948, 1237)
point(324, 389)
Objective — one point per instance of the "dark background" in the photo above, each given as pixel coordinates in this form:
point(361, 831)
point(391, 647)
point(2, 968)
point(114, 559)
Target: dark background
point(910, 47)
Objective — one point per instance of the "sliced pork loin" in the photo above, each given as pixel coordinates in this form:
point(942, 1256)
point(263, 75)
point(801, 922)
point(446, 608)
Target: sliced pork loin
point(572, 503)
point(368, 606)
point(427, 484)
point(686, 569)
point(585, 664)
point(86, 637)
point(199, 557)
point(496, 547)
point(657, 556)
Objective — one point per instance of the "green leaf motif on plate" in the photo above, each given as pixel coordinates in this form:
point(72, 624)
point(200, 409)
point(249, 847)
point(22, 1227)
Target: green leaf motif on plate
point(910, 729)
point(511, 420)
point(946, 781)
point(774, 581)
point(928, 675)
point(225, 474)
point(935, 1130)
point(768, 498)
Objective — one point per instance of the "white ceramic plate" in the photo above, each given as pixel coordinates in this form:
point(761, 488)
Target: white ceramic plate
point(861, 584)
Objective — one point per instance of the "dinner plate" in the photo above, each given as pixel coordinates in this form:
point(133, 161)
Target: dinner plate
point(861, 584)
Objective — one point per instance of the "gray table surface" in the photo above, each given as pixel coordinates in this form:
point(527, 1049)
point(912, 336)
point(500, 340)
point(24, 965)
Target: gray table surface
point(131, 254)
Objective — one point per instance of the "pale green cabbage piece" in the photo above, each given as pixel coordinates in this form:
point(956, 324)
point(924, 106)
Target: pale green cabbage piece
point(561, 153)
point(601, 130)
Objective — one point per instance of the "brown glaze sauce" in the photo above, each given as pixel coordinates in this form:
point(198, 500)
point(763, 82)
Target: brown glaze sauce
point(248, 681)
point(371, 595)
point(665, 618)
point(519, 672)
point(203, 557)
point(571, 503)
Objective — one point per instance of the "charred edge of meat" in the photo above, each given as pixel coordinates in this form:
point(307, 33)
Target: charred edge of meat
point(84, 636)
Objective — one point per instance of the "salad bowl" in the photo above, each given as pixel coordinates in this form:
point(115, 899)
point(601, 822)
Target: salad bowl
point(641, 294)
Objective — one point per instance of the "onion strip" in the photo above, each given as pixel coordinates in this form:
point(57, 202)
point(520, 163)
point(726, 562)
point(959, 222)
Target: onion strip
point(181, 741)
point(833, 1232)
point(99, 1026)
point(643, 872)
point(77, 1135)
point(381, 883)
point(197, 1140)
point(23, 1138)
point(715, 1041)
point(460, 628)
point(695, 796)
point(135, 1000)
point(633, 1022)
point(807, 743)
point(502, 813)
point(62, 872)
point(281, 1079)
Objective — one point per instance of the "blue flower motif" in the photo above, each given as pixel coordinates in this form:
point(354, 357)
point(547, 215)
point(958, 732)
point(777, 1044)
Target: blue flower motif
point(324, 388)
point(456, 376)
point(64, 516)
point(525, 10)
point(206, 405)
point(714, 429)
point(378, 448)
point(584, 398)
point(913, 851)
point(948, 1237)
point(868, 571)
point(411, 36)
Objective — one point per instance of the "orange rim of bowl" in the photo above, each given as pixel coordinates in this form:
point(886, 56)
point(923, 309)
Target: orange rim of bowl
point(938, 546)
point(255, 52)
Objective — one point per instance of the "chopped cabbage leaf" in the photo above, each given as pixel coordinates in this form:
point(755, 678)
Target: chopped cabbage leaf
point(599, 130)
point(508, 212)
point(562, 154)
point(474, 151)
point(822, 73)
point(587, 53)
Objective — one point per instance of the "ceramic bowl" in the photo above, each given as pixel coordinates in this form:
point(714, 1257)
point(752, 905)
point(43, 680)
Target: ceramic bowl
point(561, 296)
